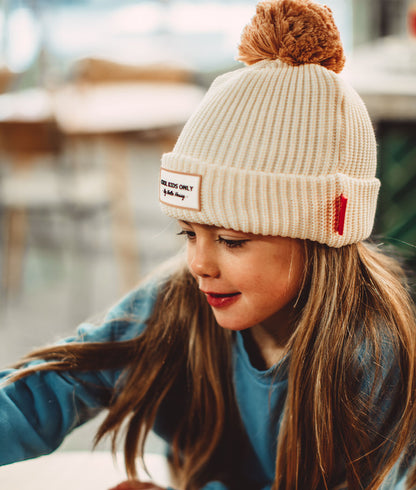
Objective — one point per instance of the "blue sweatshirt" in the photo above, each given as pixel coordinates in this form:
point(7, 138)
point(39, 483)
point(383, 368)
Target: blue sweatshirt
point(37, 412)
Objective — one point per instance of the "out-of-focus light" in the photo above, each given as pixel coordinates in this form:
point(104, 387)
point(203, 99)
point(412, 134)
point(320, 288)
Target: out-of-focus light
point(209, 17)
point(137, 19)
point(22, 39)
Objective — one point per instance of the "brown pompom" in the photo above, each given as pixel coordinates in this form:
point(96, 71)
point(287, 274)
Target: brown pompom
point(294, 31)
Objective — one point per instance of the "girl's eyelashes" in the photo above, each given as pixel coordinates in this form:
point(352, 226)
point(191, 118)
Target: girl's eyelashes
point(188, 234)
point(230, 243)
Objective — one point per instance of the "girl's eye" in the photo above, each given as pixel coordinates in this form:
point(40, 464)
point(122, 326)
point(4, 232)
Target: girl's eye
point(188, 234)
point(231, 243)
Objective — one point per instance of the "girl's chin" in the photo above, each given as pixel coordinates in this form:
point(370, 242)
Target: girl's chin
point(235, 328)
point(232, 325)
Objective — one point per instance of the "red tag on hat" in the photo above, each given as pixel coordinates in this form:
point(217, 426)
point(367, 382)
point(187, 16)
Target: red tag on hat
point(340, 210)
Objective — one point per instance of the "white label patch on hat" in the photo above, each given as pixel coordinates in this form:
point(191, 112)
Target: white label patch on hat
point(180, 190)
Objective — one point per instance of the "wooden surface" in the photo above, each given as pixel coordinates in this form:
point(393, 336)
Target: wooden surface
point(124, 107)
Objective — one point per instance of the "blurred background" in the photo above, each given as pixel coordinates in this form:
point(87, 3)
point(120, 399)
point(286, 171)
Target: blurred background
point(92, 92)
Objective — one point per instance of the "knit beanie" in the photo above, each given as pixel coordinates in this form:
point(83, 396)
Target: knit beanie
point(283, 146)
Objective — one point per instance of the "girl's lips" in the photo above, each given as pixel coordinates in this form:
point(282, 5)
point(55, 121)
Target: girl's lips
point(219, 300)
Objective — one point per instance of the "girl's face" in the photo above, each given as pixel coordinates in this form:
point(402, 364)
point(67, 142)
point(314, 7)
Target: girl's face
point(247, 279)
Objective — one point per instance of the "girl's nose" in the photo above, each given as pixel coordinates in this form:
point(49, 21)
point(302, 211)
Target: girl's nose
point(202, 260)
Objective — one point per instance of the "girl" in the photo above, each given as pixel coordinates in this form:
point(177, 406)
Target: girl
point(282, 356)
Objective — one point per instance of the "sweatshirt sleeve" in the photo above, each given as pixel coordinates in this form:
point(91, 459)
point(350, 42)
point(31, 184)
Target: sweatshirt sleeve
point(38, 411)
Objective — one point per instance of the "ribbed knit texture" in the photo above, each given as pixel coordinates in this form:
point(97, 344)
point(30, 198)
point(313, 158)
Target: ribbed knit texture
point(275, 146)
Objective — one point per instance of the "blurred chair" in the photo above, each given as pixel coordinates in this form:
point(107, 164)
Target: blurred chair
point(34, 177)
point(6, 78)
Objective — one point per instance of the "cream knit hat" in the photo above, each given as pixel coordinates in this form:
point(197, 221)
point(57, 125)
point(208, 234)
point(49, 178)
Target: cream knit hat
point(283, 146)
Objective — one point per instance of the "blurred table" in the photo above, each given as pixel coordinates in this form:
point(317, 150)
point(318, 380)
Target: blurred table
point(112, 114)
point(119, 108)
point(77, 470)
point(32, 104)
point(107, 115)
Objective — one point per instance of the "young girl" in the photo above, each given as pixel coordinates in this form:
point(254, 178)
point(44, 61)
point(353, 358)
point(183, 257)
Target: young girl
point(282, 355)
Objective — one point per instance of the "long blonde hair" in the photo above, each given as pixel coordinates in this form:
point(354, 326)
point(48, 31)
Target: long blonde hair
point(354, 345)
point(352, 350)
